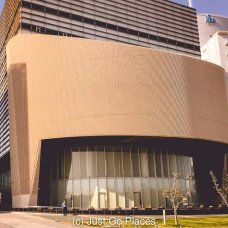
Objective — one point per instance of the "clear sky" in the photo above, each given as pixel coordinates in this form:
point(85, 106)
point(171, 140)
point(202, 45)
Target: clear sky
point(219, 7)
point(1, 4)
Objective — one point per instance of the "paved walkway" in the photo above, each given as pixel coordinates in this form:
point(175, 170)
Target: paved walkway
point(23, 220)
point(43, 220)
point(4, 225)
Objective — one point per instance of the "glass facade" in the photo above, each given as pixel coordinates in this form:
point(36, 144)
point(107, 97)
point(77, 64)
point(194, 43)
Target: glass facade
point(118, 176)
point(5, 182)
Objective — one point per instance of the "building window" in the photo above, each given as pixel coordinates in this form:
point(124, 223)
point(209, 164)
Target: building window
point(117, 176)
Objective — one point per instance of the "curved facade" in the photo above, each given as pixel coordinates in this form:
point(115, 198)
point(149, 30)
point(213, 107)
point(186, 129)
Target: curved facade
point(63, 87)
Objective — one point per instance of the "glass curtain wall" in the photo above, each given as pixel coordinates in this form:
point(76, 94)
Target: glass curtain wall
point(118, 176)
point(5, 182)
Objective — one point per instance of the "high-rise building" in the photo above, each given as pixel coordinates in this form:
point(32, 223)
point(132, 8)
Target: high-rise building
point(215, 50)
point(105, 124)
point(157, 24)
point(210, 24)
point(213, 31)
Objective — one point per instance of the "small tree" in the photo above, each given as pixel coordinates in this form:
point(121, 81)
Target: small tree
point(175, 196)
point(222, 191)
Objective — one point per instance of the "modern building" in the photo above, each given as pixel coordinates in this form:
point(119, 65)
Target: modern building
point(215, 50)
point(110, 123)
point(213, 31)
point(209, 25)
point(156, 24)
point(105, 124)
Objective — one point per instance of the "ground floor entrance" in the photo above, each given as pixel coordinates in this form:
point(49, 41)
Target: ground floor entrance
point(128, 172)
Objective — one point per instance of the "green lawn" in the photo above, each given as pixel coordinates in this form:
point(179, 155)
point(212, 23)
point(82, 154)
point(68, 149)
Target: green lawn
point(198, 222)
point(191, 221)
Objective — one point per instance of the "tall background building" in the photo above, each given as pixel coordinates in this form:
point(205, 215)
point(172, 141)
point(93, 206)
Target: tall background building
point(210, 24)
point(213, 31)
point(215, 50)
point(105, 124)
point(156, 24)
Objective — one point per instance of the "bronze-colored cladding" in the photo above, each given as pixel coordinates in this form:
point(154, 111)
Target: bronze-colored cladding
point(9, 22)
point(9, 25)
point(78, 87)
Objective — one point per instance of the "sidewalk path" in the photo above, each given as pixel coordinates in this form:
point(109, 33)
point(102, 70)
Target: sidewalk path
point(4, 225)
point(23, 220)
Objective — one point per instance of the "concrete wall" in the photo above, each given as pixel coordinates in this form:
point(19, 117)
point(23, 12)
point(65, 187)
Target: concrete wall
point(69, 87)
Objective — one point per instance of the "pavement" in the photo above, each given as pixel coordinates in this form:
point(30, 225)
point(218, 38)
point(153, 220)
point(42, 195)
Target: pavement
point(25, 220)
point(2, 225)
point(53, 220)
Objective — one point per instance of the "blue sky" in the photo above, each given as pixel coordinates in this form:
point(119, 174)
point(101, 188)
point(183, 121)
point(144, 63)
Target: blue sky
point(1, 4)
point(219, 7)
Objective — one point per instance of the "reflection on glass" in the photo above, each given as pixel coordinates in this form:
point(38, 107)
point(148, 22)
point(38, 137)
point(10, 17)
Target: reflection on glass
point(54, 193)
point(109, 161)
point(143, 162)
point(83, 163)
point(127, 162)
point(146, 193)
point(116, 176)
point(129, 193)
point(101, 161)
point(165, 164)
point(153, 193)
point(111, 193)
point(68, 192)
point(118, 162)
point(91, 162)
point(151, 164)
point(62, 192)
point(158, 164)
point(77, 193)
point(93, 193)
point(120, 196)
point(68, 165)
point(76, 163)
point(135, 162)
point(85, 193)
point(61, 161)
